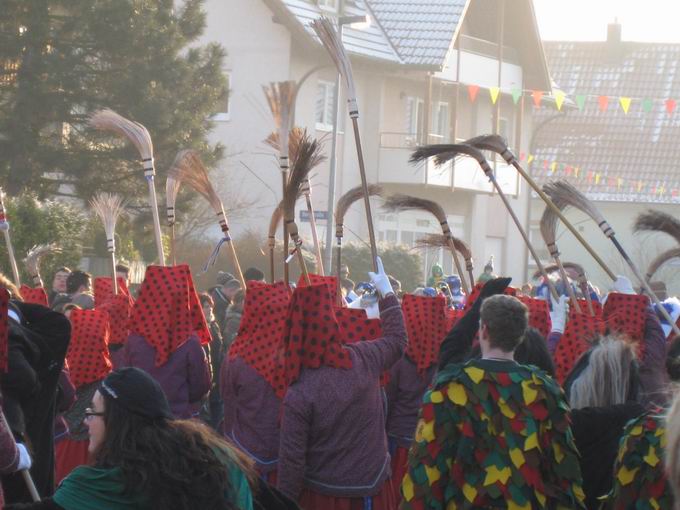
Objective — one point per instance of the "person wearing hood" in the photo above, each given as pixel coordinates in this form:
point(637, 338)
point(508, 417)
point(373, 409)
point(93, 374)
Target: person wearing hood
point(436, 275)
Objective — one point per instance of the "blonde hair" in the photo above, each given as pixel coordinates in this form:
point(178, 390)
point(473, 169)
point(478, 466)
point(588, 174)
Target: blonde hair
point(605, 381)
point(672, 460)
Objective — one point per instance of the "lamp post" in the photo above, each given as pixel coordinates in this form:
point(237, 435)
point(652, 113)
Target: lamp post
point(355, 22)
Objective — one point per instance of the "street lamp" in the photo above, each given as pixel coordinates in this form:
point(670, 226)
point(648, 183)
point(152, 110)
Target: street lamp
point(359, 23)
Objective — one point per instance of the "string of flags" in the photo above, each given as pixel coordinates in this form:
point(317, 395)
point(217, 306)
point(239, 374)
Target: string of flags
point(558, 169)
point(604, 103)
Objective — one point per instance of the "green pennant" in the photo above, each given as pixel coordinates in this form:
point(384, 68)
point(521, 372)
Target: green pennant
point(647, 105)
point(516, 94)
point(580, 102)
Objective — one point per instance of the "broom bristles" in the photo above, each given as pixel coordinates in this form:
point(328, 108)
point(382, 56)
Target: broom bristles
point(553, 268)
point(353, 195)
point(660, 260)
point(657, 221)
point(109, 208)
point(35, 255)
point(173, 184)
point(281, 99)
point(442, 241)
point(275, 219)
point(193, 173)
point(443, 153)
point(330, 39)
point(399, 202)
point(548, 226)
point(108, 120)
point(493, 143)
point(565, 194)
point(309, 155)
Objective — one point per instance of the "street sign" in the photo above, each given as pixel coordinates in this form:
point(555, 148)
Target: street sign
point(318, 215)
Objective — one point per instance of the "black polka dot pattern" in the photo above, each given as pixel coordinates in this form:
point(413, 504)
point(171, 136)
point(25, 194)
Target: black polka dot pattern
point(88, 352)
point(426, 324)
point(118, 308)
point(581, 329)
point(33, 295)
point(539, 314)
point(103, 290)
point(625, 314)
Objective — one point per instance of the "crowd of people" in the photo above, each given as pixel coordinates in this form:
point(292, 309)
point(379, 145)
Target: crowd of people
point(331, 394)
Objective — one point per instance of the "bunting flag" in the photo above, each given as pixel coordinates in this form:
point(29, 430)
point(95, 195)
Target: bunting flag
point(516, 95)
point(670, 105)
point(603, 103)
point(537, 95)
point(559, 99)
point(625, 104)
point(647, 105)
point(494, 92)
point(472, 92)
point(580, 101)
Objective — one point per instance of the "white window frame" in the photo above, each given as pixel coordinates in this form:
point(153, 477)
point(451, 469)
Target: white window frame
point(225, 116)
point(441, 126)
point(329, 103)
point(328, 5)
point(414, 119)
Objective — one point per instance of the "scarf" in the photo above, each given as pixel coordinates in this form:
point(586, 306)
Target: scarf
point(118, 307)
point(88, 351)
point(167, 311)
point(36, 296)
point(581, 329)
point(103, 290)
point(425, 319)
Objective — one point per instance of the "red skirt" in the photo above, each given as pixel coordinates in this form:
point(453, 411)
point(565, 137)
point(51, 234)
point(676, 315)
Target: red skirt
point(69, 454)
point(399, 468)
point(311, 500)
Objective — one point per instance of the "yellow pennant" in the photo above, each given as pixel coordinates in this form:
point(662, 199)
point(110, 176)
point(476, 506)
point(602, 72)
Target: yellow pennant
point(553, 167)
point(559, 99)
point(576, 171)
point(494, 92)
point(597, 178)
point(530, 158)
point(625, 104)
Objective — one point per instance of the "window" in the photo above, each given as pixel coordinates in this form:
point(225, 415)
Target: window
point(440, 122)
point(329, 5)
point(224, 109)
point(325, 99)
point(414, 119)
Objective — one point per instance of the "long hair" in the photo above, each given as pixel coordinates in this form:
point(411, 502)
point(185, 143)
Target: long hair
point(605, 376)
point(175, 463)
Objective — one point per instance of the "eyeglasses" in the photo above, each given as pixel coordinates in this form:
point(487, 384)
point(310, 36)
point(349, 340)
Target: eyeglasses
point(89, 413)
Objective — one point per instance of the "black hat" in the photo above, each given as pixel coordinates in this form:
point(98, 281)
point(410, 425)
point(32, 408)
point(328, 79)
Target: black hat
point(137, 392)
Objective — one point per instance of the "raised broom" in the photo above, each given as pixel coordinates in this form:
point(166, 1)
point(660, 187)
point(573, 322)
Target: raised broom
point(581, 278)
point(446, 153)
point(172, 185)
point(660, 260)
point(442, 241)
point(274, 221)
point(195, 175)
point(281, 99)
point(497, 144)
point(562, 191)
point(4, 226)
point(400, 202)
point(33, 259)
point(109, 208)
point(657, 221)
point(108, 120)
point(331, 40)
point(341, 208)
point(309, 155)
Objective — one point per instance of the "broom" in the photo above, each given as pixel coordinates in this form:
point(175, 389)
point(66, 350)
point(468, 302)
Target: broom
point(33, 258)
point(660, 260)
point(580, 278)
point(445, 153)
point(561, 191)
point(195, 175)
point(399, 202)
point(109, 207)
point(281, 99)
point(497, 144)
point(295, 137)
point(548, 227)
point(442, 241)
point(172, 185)
point(341, 208)
point(277, 215)
point(331, 40)
point(4, 226)
point(108, 120)
point(309, 155)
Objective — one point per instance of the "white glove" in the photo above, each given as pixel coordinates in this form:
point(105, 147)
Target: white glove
point(380, 280)
point(24, 458)
point(558, 315)
point(622, 285)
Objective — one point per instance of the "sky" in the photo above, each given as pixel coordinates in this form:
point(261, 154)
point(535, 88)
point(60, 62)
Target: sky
point(586, 20)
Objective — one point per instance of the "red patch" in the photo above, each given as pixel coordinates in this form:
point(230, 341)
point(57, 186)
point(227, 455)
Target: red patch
point(426, 327)
point(88, 352)
point(539, 314)
point(581, 329)
point(118, 307)
point(625, 314)
point(103, 290)
point(36, 296)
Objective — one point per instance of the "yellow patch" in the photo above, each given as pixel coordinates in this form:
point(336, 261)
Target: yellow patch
point(636, 431)
point(469, 492)
point(559, 454)
point(651, 457)
point(493, 475)
point(578, 492)
point(517, 457)
point(407, 487)
point(505, 409)
point(540, 497)
point(625, 476)
point(529, 392)
point(653, 502)
point(452, 506)
point(436, 397)
point(424, 431)
point(433, 474)
point(531, 442)
point(514, 506)
point(474, 373)
point(456, 393)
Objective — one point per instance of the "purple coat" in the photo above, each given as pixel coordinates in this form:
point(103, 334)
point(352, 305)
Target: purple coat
point(251, 413)
point(404, 397)
point(185, 378)
point(333, 437)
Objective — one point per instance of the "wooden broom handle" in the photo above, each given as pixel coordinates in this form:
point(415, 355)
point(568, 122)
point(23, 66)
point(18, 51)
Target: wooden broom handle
point(315, 237)
point(12, 258)
point(153, 203)
point(459, 267)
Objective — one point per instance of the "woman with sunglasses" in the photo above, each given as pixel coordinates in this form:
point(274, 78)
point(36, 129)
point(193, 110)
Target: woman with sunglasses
point(144, 459)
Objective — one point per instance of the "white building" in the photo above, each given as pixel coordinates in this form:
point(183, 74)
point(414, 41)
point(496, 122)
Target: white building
point(413, 66)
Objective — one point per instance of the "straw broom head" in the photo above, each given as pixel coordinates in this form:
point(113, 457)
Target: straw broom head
point(565, 194)
point(35, 254)
point(399, 202)
point(195, 175)
point(296, 136)
point(442, 241)
point(274, 221)
point(172, 185)
point(660, 260)
point(281, 99)
point(109, 208)
point(548, 227)
point(330, 39)
point(657, 221)
point(443, 153)
point(553, 268)
point(108, 120)
point(346, 200)
point(493, 143)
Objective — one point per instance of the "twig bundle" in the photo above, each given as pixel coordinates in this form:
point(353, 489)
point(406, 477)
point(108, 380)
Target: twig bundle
point(108, 120)
point(172, 186)
point(33, 258)
point(660, 260)
point(109, 208)
point(4, 226)
point(442, 241)
point(400, 202)
point(657, 221)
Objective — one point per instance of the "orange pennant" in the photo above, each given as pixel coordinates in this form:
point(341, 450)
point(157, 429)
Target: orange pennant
point(603, 101)
point(537, 95)
point(472, 92)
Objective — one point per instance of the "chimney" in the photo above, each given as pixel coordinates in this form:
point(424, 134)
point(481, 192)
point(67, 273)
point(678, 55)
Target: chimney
point(614, 32)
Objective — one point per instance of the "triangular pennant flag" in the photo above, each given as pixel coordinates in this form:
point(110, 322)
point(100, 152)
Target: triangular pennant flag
point(472, 92)
point(516, 95)
point(493, 92)
point(580, 101)
point(670, 105)
point(576, 171)
point(603, 102)
point(559, 99)
point(597, 178)
point(553, 168)
point(625, 104)
point(522, 156)
point(619, 182)
point(647, 105)
point(537, 95)
point(530, 159)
